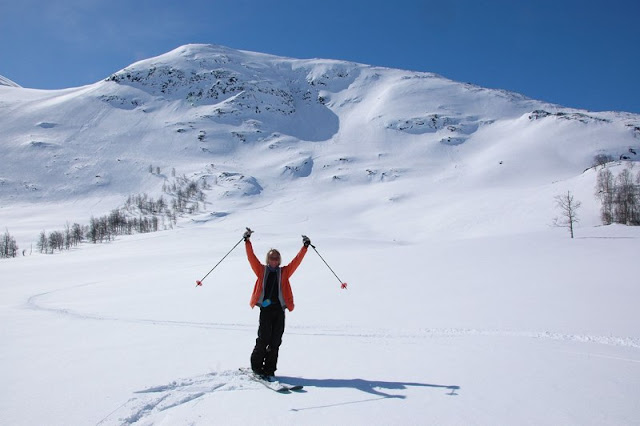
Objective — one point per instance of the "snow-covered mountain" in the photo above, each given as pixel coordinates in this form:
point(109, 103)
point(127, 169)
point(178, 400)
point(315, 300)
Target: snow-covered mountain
point(430, 197)
point(254, 123)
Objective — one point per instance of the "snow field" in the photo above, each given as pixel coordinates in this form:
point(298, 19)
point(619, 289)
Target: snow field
point(432, 199)
point(457, 332)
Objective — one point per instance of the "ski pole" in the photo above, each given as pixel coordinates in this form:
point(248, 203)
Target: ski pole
point(199, 282)
point(343, 285)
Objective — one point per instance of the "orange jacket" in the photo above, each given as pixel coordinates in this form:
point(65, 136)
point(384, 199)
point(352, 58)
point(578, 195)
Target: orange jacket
point(261, 272)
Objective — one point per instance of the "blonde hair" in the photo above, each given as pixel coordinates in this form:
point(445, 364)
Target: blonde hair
point(273, 253)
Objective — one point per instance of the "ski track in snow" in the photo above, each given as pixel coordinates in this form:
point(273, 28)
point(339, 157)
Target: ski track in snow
point(422, 333)
point(151, 401)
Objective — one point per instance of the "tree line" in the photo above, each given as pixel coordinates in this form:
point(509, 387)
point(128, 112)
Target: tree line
point(8, 246)
point(140, 214)
point(99, 230)
point(619, 195)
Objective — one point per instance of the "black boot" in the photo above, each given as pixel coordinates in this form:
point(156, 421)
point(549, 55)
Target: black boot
point(271, 361)
point(258, 357)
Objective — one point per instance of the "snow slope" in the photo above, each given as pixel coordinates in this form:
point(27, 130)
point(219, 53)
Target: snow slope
point(4, 81)
point(284, 124)
point(431, 198)
point(522, 329)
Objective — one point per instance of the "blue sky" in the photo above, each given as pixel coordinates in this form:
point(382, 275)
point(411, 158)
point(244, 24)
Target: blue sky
point(582, 54)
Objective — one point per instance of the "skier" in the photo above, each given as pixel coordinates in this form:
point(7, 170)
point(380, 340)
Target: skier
point(272, 293)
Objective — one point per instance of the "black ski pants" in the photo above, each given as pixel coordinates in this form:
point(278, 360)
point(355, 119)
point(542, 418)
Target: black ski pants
point(264, 358)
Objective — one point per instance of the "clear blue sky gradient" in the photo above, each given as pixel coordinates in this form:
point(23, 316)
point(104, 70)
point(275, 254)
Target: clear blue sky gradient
point(582, 54)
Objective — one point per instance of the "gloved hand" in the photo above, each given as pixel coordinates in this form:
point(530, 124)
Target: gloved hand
point(306, 241)
point(247, 234)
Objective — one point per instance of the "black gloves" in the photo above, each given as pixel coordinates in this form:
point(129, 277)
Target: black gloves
point(306, 241)
point(247, 234)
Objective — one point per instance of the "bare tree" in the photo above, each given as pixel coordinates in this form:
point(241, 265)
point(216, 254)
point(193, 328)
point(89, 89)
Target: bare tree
point(568, 208)
point(605, 191)
point(43, 242)
point(68, 236)
point(626, 206)
point(601, 160)
point(56, 241)
point(77, 234)
point(8, 246)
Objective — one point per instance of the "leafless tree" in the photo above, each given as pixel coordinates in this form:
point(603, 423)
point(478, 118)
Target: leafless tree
point(568, 208)
point(601, 160)
point(605, 191)
point(626, 202)
point(43, 242)
point(8, 246)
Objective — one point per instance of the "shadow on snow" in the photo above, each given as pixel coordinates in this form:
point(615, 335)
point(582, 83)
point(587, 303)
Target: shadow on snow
point(374, 387)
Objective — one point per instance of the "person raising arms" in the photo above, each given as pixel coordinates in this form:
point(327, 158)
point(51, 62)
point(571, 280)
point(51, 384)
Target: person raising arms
point(272, 293)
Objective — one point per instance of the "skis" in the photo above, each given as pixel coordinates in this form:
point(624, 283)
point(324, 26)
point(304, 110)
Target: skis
point(274, 385)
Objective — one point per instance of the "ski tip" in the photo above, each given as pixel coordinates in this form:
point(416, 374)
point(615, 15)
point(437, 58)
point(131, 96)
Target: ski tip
point(343, 286)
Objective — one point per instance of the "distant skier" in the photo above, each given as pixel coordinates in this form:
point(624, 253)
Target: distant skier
point(272, 293)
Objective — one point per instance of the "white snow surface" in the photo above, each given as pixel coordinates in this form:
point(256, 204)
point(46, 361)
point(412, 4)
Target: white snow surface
point(431, 198)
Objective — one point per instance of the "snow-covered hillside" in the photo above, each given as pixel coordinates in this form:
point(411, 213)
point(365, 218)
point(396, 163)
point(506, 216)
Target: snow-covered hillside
point(258, 127)
point(4, 81)
point(431, 198)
